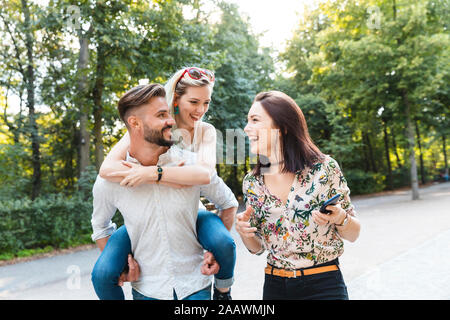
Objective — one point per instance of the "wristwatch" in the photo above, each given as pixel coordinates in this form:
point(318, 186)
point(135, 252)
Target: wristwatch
point(160, 171)
point(343, 222)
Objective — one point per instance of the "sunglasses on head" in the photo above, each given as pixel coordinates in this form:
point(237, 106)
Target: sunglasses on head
point(197, 74)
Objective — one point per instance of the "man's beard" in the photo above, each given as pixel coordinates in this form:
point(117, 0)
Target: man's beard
point(157, 137)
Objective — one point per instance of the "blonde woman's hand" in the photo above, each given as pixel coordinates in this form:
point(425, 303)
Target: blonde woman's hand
point(336, 216)
point(136, 175)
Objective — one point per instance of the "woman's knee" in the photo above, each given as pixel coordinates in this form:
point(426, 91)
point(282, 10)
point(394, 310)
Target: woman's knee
point(105, 273)
point(113, 259)
point(222, 246)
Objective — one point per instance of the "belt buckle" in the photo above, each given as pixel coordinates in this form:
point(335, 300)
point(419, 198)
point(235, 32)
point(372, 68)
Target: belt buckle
point(295, 273)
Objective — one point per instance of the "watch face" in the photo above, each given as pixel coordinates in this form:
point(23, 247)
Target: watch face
point(160, 169)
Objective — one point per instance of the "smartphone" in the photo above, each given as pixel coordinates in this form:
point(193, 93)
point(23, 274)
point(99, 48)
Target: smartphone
point(330, 202)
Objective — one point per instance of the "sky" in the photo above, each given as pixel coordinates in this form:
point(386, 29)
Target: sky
point(275, 19)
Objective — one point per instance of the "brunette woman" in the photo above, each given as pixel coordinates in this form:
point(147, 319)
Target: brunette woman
point(283, 193)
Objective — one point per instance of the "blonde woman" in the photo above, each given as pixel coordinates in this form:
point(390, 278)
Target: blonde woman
point(188, 94)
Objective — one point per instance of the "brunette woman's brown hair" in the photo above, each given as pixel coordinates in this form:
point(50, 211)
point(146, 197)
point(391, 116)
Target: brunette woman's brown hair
point(297, 147)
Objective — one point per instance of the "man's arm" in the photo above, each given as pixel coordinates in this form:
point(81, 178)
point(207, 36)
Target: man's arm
point(227, 217)
point(221, 195)
point(101, 243)
point(103, 211)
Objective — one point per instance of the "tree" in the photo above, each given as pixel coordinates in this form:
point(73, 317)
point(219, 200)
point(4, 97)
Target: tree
point(377, 74)
point(18, 26)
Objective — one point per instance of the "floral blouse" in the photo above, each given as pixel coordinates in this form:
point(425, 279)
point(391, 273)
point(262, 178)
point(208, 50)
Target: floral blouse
point(288, 232)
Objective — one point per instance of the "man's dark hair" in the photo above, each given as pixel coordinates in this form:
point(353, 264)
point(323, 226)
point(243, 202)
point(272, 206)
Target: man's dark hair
point(137, 97)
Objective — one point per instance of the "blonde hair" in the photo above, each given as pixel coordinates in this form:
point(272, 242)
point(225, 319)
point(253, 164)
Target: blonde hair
point(176, 86)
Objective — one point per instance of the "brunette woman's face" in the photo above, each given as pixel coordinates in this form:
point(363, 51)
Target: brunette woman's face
point(193, 105)
point(260, 129)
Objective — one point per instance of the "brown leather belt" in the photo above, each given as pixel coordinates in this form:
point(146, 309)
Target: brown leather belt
point(301, 272)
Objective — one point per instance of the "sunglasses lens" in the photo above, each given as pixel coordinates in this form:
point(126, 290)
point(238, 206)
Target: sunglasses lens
point(209, 74)
point(195, 74)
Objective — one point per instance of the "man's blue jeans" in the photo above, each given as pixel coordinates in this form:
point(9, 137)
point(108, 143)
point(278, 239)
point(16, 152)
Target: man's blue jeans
point(211, 234)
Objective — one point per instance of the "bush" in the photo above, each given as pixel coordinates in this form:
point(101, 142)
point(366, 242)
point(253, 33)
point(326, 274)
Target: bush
point(362, 182)
point(56, 221)
point(401, 177)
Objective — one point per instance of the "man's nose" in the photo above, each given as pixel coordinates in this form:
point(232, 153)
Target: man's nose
point(170, 121)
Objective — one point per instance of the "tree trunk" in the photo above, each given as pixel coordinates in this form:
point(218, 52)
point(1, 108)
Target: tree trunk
point(388, 160)
point(422, 167)
point(371, 157)
point(235, 179)
point(411, 142)
point(366, 157)
point(218, 169)
point(84, 138)
point(394, 146)
point(444, 149)
point(98, 107)
point(29, 83)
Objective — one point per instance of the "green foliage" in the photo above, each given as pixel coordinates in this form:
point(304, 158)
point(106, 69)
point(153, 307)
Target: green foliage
point(362, 182)
point(374, 81)
point(55, 220)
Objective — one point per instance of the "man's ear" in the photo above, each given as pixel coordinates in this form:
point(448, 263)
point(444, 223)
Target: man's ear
point(133, 122)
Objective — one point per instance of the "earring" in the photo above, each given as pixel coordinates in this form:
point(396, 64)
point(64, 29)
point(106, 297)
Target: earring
point(176, 110)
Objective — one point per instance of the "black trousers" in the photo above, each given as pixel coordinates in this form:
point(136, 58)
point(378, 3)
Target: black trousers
point(322, 286)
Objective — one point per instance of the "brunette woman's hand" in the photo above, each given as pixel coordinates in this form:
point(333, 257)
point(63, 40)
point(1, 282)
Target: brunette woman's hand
point(337, 215)
point(243, 226)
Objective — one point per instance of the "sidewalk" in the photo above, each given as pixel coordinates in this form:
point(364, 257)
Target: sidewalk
point(402, 253)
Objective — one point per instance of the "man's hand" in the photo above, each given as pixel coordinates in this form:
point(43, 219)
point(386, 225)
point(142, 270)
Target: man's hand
point(133, 273)
point(210, 265)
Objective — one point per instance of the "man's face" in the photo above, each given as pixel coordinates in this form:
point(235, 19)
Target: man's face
point(156, 122)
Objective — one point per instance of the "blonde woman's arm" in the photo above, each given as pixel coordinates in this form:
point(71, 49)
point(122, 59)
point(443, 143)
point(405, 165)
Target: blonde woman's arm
point(115, 169)
point(113, 161)
point(206, 153)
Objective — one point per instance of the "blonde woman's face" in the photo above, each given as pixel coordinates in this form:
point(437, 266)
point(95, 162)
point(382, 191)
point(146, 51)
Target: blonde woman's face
point(193, 105)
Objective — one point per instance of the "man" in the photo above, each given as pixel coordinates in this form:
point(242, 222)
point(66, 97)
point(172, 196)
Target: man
point(160, 220)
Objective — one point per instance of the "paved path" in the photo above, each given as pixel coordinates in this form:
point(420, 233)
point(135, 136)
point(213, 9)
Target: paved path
point(402, 253)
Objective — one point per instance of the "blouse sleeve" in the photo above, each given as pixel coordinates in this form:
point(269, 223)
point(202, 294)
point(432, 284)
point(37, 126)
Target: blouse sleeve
point(339, 183)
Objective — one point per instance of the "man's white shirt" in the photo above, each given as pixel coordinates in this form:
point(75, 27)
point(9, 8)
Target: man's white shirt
point(161, 224)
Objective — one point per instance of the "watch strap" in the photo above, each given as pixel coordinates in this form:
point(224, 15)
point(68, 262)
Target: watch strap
point(343, 222)
point(160, 171)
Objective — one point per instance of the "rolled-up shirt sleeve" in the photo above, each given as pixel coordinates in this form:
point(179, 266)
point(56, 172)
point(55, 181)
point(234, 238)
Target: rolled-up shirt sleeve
point(103, 209)
point(219, 193)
